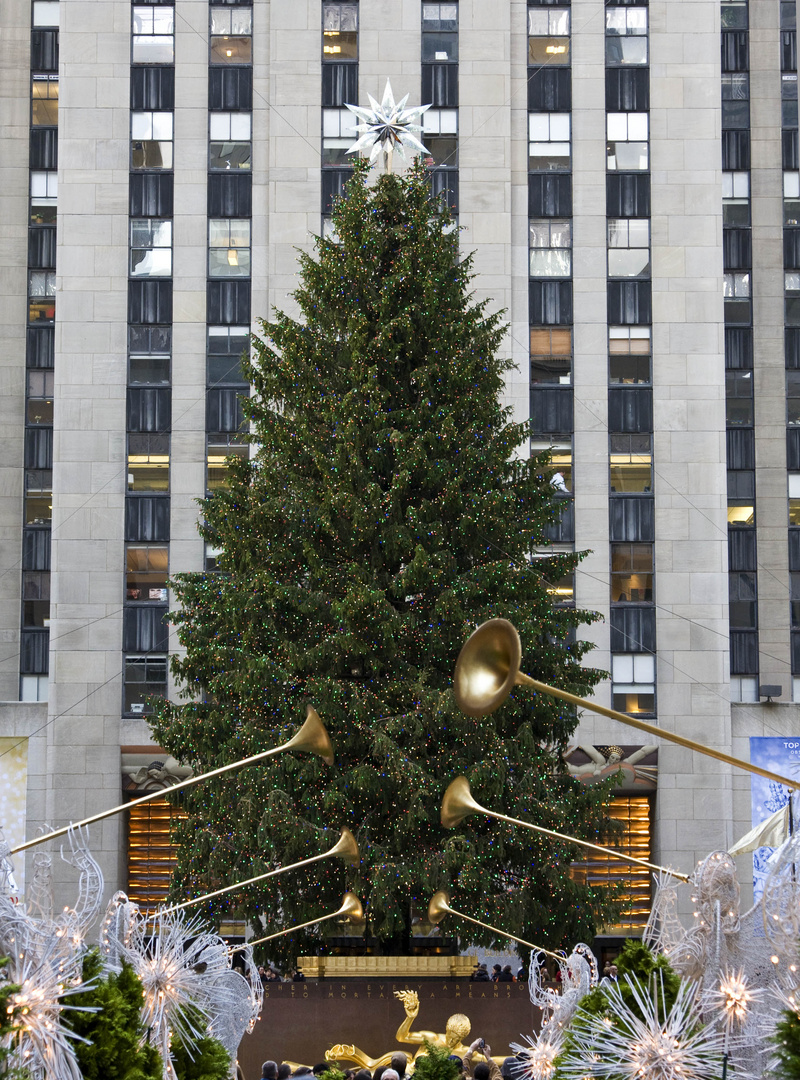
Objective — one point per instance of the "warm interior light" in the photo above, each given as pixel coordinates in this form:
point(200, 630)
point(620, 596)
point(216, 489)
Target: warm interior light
point(233, 257)
point(229, 52)
point(331, 48)
point(556, 49)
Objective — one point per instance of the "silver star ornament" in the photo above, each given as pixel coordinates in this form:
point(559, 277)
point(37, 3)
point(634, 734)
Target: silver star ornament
point(387, 127)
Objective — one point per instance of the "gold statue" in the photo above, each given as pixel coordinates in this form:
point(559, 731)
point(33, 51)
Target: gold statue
point(453, 1040)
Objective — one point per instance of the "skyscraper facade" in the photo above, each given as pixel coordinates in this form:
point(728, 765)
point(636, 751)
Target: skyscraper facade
point(627, 175)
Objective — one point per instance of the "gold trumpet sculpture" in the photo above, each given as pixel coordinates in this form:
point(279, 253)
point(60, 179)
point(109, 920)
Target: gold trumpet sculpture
point(312, 738)
point(440, 906)
point(487, 669)
point(345, 849)
point(351, 911)
point(458, 803)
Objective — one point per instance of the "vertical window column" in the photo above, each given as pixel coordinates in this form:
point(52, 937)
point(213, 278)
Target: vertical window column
point(38, 512)
point(440, 90)
point(339, 88)
point(550, 251)
point(230, 185)
point(739, 412)
point(630, 360)
point(149, 396)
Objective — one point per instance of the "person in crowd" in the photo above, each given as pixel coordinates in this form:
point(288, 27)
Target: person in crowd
point(269, 1070)
point(319, 1069)
point(390, 1074)
point(284, 1071)
point(480, 974)
point(298, 976)
point(522, 974)
point(506, 975)
point(363, 1074)
point(381, 1069)
point(510, 1069)
point(303, 1071)
point(496, 970)
point(481, 1070)
point(399, 1063)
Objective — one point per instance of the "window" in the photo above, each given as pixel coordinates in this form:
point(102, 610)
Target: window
point(148, 463)
point(144, 676)
point(149, 352)
point(41, 296)
point(39, 410)
point(548, 36)
point(44, 100)
point(153, 35)
point(791, 198)
point(793, 397)
point(742, 610)
point(44, 195)
point(794, 593)
point(338, 135)
point(151, 248)
point(549, 141)
point(629, 354)
point(789, 101)
point(228, 248)
point(231, 40)
point(628, 247)
point(627, 141)
point(735, 198)
point(440, 135)
point(550, 248)
point(631, 573)
point(739, 398)
point(229, 145)
point(45, 13)
point(631, 460)
point(212, 555)
point(38, 496)
point(35, 598)
point(146, 573)
point(151, 140)
point(633, 678)
point(734, 14)
point(439, 33)
point(794, 498)
point(741, 497)
point(33, 687)
point(736, 286)
point(626, 36)
point(40, 384)
point(226, 344)
point(220, 447)
point(735, 100)
point(551, 356)
point(744, 688)
point(339, 31)
point(560, 451)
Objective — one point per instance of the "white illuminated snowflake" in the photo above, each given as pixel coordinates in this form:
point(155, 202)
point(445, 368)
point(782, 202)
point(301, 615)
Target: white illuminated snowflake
point(622, 1045)
point(387, 126)
point(537, 1059)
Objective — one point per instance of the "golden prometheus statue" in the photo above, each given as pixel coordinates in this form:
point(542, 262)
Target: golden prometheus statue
point(453, 1039)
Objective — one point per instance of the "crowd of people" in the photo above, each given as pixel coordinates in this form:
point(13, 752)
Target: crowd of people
point(499, 974)
point(397, 1069)
point(269, 974)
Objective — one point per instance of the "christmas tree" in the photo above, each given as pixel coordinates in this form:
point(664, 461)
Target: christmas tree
point(387, 510)
point(786, 1042)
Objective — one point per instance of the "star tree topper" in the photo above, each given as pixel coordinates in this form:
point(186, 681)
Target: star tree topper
point(387, 126)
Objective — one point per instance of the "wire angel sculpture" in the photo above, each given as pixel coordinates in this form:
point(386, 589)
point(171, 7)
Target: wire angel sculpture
point(46, 960)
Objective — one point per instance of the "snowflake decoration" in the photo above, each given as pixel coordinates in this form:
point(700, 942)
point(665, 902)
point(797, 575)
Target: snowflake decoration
point(622, 1045)
point(538, 1058)
point(387, 126)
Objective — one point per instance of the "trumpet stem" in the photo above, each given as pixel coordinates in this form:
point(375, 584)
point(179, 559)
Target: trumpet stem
point(614, 853)
point(282, 933)
point(243, 884)
point(154, 795)
point(503, 933)
point(652, 729)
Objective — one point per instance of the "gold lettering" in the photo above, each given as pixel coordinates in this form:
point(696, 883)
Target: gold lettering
point(355, 995)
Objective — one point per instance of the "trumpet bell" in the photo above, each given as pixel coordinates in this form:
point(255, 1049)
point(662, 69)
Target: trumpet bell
point(346, 849)
point(487, 667)
point(351, 908)
point(312, 737)
point(458, 803)
point(438, 907)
